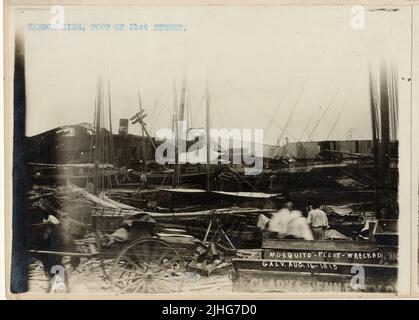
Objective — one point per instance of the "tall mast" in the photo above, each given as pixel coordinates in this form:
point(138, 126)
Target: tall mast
point(182, 100)
point(189, 111)
point(180, 119)
point(175, 125)
point(374, 123)
point(143, 153)
point(207, 120)
point(385, 128)
point(96, 183)
point(111, 147)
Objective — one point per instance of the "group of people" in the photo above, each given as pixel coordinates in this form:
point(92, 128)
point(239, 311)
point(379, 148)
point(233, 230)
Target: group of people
point(290, 223)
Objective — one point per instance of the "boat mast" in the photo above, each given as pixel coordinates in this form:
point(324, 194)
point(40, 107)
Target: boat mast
point(180, 120)
point(207, 119)
point(96, 183)
point(375, 137)
point(143, 152)
point(111, 146)
point(175, 127)
point(182, 100)
point(385, 131)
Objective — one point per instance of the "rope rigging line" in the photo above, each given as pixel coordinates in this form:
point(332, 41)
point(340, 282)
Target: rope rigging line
point(288, 120)
point(262, 112)
point(311, 119)
point(279, 105)
point(324, 113)
point(341, 111)
point(294, 107)
point(247, 182)
point(201, 105)
point(163, 106)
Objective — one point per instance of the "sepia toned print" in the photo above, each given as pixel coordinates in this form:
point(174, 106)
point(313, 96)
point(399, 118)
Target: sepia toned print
point(209, 149)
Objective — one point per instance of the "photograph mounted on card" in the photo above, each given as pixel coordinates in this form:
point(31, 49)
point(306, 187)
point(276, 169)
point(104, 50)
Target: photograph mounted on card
point(199, 149)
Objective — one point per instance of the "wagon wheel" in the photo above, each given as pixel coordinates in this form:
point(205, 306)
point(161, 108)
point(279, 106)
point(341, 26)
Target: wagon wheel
point(148, 266)
point(106, 265)
point(105, 261)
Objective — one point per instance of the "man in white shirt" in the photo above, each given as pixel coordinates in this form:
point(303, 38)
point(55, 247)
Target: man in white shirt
point(318, 221)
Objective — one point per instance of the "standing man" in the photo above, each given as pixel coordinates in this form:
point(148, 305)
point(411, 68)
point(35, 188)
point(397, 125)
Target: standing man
point(317, 219)
point(272, 182)
point(143, 180)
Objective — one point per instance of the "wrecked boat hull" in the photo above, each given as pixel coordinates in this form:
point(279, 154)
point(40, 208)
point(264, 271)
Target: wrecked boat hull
point(293, 265)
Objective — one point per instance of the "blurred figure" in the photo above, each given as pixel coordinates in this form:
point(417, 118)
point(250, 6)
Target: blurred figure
point(289, 223)
point(143, 181)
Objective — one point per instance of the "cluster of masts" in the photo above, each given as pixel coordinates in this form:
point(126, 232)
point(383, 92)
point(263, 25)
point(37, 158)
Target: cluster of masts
point(384, 117)
point(384, 111)
point(102, 154)
point(105, 154)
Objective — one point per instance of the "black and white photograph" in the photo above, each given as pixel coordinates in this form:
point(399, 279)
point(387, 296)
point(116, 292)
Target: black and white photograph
point(209, 149)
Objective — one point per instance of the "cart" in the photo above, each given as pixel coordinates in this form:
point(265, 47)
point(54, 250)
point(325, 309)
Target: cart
point(148, 260)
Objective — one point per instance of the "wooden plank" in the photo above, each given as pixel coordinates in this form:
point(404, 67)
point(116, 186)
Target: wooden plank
point(255, 195)
point(61, 253)
point(262, 281)
point(370, 257)
point(319, 245)
point(314, 268)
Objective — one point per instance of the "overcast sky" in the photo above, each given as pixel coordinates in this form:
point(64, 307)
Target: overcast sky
point(253, 58)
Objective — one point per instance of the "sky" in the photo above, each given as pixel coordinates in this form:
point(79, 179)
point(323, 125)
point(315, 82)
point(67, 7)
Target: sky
point(296, 72)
